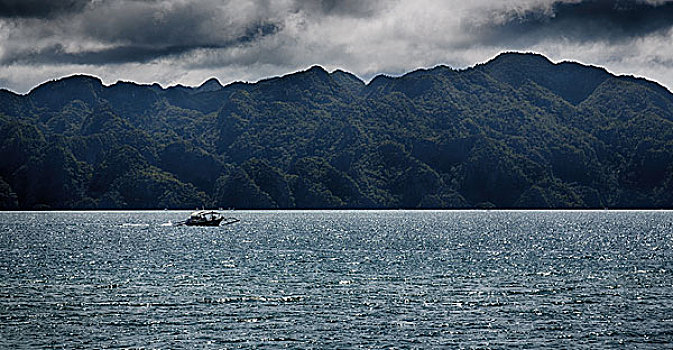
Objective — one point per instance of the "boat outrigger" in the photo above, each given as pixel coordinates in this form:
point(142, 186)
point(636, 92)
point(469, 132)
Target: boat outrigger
point(206, 218)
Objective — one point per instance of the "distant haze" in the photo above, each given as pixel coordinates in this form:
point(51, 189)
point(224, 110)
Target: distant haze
point(181, 42)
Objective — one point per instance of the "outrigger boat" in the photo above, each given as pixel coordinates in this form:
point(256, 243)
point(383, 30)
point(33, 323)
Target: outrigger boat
point(206, 218)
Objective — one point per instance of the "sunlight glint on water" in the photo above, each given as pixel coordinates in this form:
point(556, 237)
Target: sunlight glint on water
point(338, 279)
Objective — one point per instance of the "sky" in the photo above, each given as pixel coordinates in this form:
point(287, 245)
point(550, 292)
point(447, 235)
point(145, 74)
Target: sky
point(187, 42)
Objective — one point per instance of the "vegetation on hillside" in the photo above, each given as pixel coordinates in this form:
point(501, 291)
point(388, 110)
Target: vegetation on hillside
point(516, 132)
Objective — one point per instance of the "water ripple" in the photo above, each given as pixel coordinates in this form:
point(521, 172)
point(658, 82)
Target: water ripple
point(338, 279)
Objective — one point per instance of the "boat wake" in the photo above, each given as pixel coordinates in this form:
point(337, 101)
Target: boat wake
point(135, 225)
point(198, 218)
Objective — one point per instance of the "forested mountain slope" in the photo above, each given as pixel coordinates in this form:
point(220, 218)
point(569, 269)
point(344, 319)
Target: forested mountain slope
point(516, 132)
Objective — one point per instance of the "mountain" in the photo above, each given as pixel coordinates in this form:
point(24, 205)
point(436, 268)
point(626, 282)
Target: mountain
point(518, 131)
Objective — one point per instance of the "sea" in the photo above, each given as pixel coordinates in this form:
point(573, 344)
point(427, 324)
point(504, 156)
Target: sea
point(338, 280)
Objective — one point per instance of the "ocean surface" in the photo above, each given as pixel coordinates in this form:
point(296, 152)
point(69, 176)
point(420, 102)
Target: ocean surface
point(338, 279)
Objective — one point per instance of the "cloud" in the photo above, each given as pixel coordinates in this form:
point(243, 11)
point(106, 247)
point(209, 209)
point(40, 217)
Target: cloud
point(180, 41)
point(39, 8)
point(134, 31)
point(347, 8)
point(583, 21)
point(125, 31)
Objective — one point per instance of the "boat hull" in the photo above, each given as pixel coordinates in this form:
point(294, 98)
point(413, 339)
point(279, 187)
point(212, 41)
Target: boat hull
point(215, 222)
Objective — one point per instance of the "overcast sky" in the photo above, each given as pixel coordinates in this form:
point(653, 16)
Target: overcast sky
point(186, 42)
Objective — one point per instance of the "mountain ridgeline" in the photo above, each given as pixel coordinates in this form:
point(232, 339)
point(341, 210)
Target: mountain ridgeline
point(516, 132)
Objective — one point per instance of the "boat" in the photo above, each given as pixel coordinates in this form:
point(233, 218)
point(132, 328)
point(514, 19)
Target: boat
point(206, 218)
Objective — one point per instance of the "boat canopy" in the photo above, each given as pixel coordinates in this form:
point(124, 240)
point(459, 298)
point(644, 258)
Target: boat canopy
point(202, 213)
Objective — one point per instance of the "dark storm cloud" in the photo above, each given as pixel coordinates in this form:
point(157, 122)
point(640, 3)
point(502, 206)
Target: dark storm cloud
point(39, 8)
point(350, 8)
point(125, 31)
point(56, 54)
point(138, 31)
point(140, 52)
point(129, 53)
point(583, 21)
